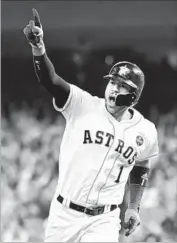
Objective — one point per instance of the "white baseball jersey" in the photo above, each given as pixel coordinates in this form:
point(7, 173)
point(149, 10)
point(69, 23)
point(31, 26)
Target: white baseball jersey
point(97, 152)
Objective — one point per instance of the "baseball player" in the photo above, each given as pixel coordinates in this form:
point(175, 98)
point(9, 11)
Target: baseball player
point(106, 143)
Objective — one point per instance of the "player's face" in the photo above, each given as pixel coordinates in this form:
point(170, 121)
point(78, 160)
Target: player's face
point(115, 87)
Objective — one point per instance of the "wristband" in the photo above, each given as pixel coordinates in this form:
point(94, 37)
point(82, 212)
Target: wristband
point(38, 51)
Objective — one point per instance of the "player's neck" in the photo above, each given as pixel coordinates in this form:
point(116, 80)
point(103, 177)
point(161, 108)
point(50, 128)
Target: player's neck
point(122, 114)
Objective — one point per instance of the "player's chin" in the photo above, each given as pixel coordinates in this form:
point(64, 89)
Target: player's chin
point(111, 107)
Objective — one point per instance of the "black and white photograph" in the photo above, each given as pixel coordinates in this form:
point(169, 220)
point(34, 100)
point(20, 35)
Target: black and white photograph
point(88, 121)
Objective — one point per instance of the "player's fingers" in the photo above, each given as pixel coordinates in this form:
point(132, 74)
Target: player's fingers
point(132, 226)
point(130, 231)
point(31, 24)
point(36, 18)
point(27, 30)
point(36, 30)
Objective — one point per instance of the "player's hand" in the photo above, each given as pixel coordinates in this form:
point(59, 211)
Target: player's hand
point(33, 31)
point(131, 221)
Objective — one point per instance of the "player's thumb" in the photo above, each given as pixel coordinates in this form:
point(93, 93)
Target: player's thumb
point(31, 24)
point(36, 30)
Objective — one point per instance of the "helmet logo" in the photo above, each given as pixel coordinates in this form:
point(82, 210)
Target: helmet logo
point(123, 71)
point(114, 71)
point(139, 140)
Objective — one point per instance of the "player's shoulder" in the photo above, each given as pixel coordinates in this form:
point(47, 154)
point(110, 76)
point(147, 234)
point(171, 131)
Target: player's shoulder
point(82, 92)
point(146, 138)
point(146, 126)
point(85, 96)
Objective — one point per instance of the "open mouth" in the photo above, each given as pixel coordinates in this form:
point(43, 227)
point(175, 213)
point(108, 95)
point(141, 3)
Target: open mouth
point(112, 99)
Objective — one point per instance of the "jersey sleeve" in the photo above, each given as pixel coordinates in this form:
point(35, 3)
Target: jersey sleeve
point(150, 148)
point(77, 101)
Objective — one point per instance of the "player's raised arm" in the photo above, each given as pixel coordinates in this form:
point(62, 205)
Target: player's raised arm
point(44, 68)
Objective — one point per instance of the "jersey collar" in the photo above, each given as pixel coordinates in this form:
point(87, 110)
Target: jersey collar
point(129, 122)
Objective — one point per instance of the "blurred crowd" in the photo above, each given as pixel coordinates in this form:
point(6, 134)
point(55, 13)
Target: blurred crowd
point(29, 153)
point(30, 143)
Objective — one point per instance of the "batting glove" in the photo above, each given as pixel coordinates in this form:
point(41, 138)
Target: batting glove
point(131, 221)
point(33, 31)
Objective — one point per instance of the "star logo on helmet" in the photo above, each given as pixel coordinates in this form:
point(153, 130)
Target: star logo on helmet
point(115, 70)
point(123, 71)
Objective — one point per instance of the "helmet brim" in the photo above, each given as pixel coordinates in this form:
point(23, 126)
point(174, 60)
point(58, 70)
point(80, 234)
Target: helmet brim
point(129, 82)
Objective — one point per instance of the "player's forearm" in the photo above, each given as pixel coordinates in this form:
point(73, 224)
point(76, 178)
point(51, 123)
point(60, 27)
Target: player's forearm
point(44, 68)
point(47, 76)
point(136, 193)
point(138, 183)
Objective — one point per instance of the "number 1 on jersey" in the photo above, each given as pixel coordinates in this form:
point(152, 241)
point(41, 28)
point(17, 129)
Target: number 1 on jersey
point(119, 175)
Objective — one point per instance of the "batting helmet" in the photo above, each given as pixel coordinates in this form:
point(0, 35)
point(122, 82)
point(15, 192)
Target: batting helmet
point(132, 75)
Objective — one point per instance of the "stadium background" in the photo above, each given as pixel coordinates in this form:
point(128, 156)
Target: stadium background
point(83, 40)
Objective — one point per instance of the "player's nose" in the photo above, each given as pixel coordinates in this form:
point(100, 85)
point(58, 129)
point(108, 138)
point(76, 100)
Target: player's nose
point(116, 88)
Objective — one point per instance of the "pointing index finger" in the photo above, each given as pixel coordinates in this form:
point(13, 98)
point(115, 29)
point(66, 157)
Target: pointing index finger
point(36, 18)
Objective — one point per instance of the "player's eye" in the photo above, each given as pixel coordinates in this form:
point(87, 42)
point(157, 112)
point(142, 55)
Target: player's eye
point(112, 81)
point(126, 87)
